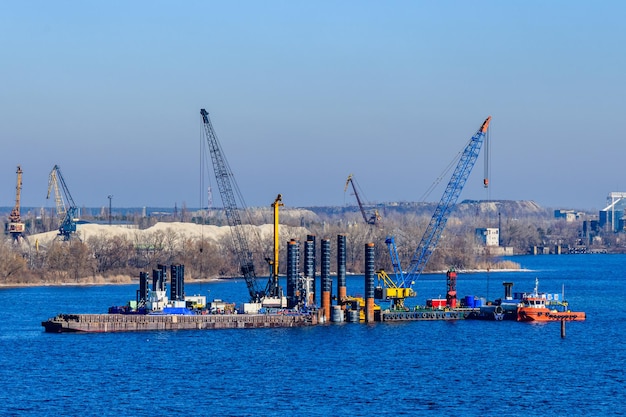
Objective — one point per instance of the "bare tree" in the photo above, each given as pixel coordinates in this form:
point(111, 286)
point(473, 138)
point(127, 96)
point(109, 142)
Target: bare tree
point(81, 262)
point(110, 253)
point(149, 249)
point(12, 263)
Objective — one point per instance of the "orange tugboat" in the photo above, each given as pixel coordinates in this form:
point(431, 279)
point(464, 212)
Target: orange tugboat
point(536, 307)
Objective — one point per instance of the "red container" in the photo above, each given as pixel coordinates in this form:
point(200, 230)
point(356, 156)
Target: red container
point(436, 303)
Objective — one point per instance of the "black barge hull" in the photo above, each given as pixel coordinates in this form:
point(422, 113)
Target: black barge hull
point(427, 315)
point(104, 323)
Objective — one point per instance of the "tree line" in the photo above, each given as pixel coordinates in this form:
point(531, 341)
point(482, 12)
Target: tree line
point(119, 258)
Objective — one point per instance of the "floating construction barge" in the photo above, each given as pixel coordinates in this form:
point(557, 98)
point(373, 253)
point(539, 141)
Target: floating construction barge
point(103, 323)
point(155, 309)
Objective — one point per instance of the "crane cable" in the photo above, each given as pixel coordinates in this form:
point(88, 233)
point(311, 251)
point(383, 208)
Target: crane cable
point(443, 174)
point(487, 175)
point(202, 155)
point(244, 210)
point(453, 163)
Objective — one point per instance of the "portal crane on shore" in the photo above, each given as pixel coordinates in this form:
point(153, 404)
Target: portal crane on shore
point(374, 217)
point(16, 227)
point(228, 187)
point(400, 288)
point(67, 214)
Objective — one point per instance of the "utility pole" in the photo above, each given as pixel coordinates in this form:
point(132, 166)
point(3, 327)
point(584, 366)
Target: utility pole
point(110, 197)
point(499, 230)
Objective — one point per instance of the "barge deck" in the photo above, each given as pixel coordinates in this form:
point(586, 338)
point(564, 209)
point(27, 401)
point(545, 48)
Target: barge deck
point(103, 323)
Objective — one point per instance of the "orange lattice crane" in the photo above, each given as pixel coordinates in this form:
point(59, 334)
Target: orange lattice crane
point(16, 227)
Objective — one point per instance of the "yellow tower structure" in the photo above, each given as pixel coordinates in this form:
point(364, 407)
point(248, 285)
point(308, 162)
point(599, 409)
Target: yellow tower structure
point(273, 293)
point(275, 205)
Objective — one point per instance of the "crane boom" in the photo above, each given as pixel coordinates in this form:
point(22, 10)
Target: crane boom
point(450, 196)
point(395, 258)
point(375, 217)
point(67, 215)
point(226, 184)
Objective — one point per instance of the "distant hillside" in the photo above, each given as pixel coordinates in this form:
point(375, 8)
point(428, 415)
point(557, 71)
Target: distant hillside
point(299, 216)
point(507, 208)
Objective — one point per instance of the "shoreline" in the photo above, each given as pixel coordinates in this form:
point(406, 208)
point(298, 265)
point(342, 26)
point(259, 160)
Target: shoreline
point(135, 281)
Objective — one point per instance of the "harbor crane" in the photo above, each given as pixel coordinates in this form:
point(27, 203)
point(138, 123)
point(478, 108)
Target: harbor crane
point(371, 219)
point(67, 214)
point(400, 288)
point(16, 227)
point(271, 294)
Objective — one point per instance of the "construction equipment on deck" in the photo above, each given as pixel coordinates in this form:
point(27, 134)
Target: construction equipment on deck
point(16, 227)
point(67, 214)
point(400, 288)
point(227, 185)
point(372, 218)
point(273, 292)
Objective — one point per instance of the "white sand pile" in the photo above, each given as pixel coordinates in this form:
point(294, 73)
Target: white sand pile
point(177, 230)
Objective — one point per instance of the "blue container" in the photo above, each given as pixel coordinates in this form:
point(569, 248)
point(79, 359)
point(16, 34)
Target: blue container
point(478, 302)
point(469, 301)
point(177, 310)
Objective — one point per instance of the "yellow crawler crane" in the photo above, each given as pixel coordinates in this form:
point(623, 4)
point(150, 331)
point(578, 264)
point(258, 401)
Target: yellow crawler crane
point(390, 291)
point(357, 304)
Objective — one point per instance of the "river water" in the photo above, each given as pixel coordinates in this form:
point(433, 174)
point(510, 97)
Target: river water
point(467, 368)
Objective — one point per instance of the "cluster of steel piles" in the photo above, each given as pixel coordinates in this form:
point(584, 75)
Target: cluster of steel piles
point(327, 283)
point(177, 282)
point(159, 279)
point(301, 287)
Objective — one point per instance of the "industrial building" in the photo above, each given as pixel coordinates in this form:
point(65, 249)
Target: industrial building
point(489, 240)
point(567, 215)
point(488, 236)
point(612, 216)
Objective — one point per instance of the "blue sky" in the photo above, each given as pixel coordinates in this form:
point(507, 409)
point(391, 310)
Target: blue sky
point(301, 94)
